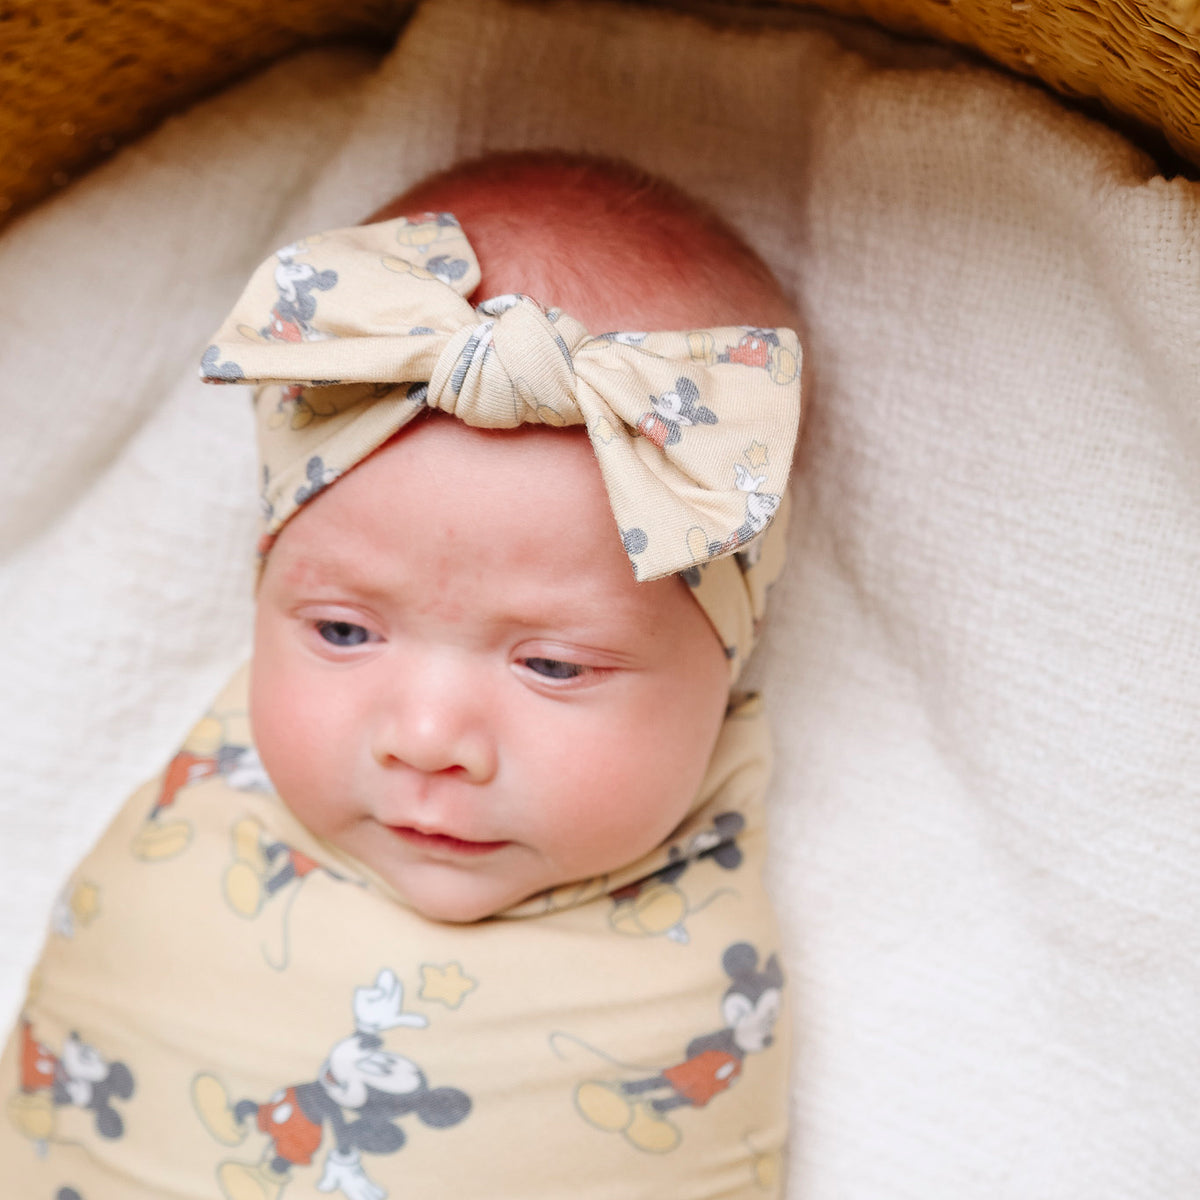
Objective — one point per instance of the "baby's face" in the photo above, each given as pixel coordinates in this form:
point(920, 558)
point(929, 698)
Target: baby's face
point(457, 680)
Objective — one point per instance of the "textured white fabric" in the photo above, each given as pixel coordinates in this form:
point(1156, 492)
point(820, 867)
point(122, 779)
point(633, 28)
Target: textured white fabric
point(984, 661)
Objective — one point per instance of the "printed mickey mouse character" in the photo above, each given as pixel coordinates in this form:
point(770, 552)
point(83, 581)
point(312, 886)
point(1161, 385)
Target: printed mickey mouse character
point(656, 906)
point(424, 234)
point(203, 755)
point(624, 337)
point(426, 230)
point(445, 268)
point(263, 868)
point(213, 370)
point(294, 408)
point(755, 348)
point(360, 1091)
point(760, 508)
point(673, 410)
point(636, 1108)
point(295, 283)
point(319, 477)
point(79, 1077)
point(75, 908)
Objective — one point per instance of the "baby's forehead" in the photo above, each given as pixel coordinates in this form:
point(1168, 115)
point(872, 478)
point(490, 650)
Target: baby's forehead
point(440, 484)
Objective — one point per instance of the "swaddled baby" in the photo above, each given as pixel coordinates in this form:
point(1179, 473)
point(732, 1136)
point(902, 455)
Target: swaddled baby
point(458, 890)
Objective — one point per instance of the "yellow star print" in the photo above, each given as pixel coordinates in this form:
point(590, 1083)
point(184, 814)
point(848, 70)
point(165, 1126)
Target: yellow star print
point(756, 454)
point(447, 985)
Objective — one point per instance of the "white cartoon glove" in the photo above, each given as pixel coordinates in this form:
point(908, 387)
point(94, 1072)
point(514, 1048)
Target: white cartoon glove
point(61, 919)
point(246, 772)
point(344, 1172)
point(382, 1006)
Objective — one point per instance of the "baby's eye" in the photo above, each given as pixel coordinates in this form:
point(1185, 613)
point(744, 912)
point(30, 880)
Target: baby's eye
point(554, 668)
point(342, 633)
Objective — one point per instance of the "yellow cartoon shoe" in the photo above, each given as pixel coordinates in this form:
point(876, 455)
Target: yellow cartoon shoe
point(650, 1130)
point(657, 910)
point(603, 1105)
point(259, 1182)
point(244, 878)
point(766, 1169)
point(85, 903)
point(783, 365)
point(157, 840)
point(702, 347)
point(247, 845)
point(32, 1114)
point(243, 889)
point(212, 1106)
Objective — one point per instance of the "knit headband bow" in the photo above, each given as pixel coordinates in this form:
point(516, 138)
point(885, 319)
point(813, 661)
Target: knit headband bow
point(361, 329)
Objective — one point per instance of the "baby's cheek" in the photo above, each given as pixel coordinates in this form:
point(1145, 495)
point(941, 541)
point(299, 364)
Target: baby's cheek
point(282, 724)
point(620, 807)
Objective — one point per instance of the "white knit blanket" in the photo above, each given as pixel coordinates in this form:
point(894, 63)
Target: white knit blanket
point(984, 664)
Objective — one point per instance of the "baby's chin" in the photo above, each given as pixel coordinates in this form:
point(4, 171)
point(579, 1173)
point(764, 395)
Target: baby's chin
point(457, 914)
point(435, 892)
point(453, 910)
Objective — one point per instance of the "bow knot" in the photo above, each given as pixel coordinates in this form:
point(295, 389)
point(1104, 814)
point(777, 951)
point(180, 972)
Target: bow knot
point(510, 369)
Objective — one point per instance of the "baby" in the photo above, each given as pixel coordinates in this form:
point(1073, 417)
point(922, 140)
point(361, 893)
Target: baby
point(460, 888)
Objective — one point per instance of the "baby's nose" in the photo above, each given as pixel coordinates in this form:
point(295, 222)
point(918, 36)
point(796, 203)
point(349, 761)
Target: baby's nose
point(436, 720)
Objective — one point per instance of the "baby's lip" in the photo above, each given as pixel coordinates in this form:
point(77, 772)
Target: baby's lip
point(427, 839)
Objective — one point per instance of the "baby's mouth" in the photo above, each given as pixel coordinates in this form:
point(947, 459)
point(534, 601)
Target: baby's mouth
point(443, 841)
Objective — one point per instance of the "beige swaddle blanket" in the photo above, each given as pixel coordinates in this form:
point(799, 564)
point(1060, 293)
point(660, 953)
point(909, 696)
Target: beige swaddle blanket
point(294, 1030)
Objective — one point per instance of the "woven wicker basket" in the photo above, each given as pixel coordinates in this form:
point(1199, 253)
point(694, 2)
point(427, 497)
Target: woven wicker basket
point(77, 77)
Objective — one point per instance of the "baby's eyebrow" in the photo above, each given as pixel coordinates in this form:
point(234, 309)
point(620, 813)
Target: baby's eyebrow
point(617, 624)
point(340, 573)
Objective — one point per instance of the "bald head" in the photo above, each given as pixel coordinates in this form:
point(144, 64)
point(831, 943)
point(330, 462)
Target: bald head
point(611, 245)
